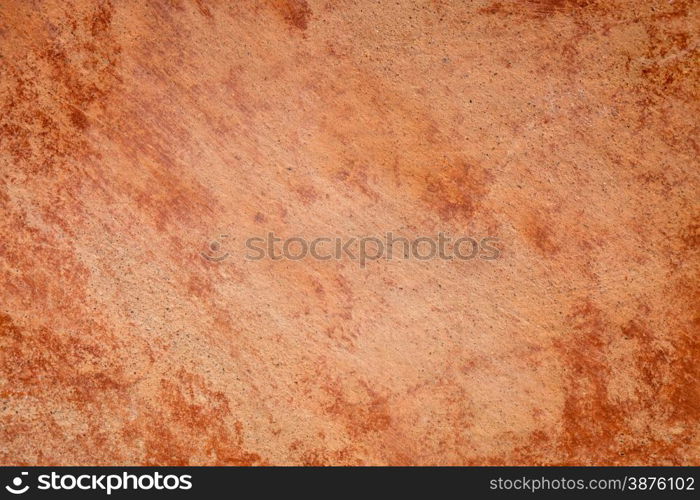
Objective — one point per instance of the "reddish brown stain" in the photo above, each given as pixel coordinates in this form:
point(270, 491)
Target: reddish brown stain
point(492, 8)
point(321, 457)
point(546, 7)
point(596, 424)
point(79, 119)
point(358, 176)
point(54, 83)
point(456, 190)
point(296, 13)
point(101, 19)
point(591, 422)
point(538, 8)
point(360, 417)
point(307, 194)
point(667, 65)
point(540, 234)
point(203, 8)
point(198, 432)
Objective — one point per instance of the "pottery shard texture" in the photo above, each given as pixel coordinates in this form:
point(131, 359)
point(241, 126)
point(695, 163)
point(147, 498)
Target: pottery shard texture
point(134, 133)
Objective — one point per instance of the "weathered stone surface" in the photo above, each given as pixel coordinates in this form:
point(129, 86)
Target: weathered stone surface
point(132, 134)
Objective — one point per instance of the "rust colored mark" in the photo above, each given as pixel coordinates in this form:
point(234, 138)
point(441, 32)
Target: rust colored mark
point(690, 236)
point(539, 233)
point(492, 8)
point(538, 8)
point(550, 6)
point(198, 431)
point(79, 119)
point(203, 8)
point(456, 190)
point(591, 422)
point(49, 85)
point(360, 417)
point(322, 457)
point(295, 12)
point(358, 177)
point(307, 194)
point(595, 423)
point(101, 19)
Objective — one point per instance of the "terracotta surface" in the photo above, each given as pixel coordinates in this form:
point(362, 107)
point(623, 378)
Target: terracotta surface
point(132, 134)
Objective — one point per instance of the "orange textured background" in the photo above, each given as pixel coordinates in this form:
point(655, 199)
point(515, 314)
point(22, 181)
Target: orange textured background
point(134, 133)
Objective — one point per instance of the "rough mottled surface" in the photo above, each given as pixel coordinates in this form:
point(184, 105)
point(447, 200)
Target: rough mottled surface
point(134, 133)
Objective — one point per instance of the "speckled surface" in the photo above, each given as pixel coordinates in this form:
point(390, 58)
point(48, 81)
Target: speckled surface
point(134, 133)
